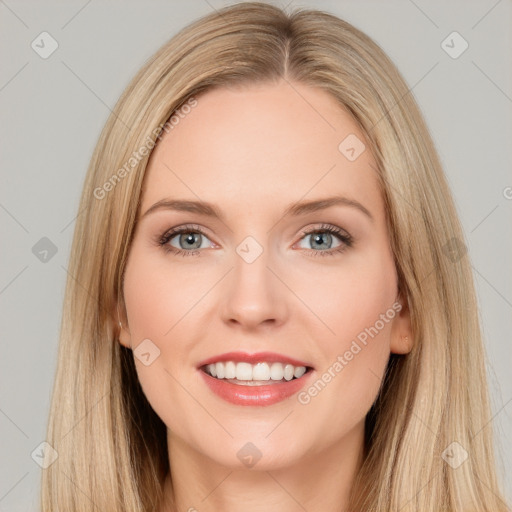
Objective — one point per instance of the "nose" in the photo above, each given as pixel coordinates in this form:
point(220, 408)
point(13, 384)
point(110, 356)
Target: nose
point(254, 292)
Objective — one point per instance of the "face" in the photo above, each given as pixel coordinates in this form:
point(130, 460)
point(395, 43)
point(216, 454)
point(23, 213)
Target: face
point(312, 286)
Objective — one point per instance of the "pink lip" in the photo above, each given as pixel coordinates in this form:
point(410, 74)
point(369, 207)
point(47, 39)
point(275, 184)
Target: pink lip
point(259, 357)
point(255, 395)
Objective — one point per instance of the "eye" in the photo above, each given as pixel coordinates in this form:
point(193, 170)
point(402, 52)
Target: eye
point(189, 237)
point(322, 238)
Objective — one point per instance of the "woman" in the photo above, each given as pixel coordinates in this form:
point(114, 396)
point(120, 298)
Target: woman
point(209, 358)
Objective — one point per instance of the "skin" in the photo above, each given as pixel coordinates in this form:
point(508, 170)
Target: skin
point(252, 151)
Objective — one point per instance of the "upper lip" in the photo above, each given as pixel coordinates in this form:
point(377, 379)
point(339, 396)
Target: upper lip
point(258, 357)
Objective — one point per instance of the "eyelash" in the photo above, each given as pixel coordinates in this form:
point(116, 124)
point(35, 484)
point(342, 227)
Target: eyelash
point(343, 236)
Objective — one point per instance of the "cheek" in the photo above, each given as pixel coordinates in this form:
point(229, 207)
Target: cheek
point(360, 310)
point(158, 296)
point(163, 302)
point(157, 299)
point(356, 303)
point(352, 296)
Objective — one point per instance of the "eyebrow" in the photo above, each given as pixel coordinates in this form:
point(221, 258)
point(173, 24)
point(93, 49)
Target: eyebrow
point(294, 209)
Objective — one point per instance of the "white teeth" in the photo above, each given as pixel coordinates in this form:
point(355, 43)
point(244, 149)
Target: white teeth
point(261, 371)
point(243, 371)
point(276, 371)
point(288, 372)
point(230, 370)
point(219, 370)
point(299, 371)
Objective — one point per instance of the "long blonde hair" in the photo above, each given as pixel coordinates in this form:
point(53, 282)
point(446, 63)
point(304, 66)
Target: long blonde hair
point(111, 445)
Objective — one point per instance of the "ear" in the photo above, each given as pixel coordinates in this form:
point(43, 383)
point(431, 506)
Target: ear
point(402, 339)
point(121, 324)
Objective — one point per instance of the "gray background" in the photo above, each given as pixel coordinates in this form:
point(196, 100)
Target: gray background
point(53, 110)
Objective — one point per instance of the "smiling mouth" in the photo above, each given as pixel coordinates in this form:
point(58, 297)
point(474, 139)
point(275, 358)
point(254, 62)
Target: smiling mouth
point(259, 374)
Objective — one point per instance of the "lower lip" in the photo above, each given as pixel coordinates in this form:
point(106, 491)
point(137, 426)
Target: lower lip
point(255, 395)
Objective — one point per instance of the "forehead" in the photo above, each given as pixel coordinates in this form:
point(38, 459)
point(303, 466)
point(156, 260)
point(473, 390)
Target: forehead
point(265, 145)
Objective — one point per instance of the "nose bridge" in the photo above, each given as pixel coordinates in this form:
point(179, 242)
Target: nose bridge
point(253, 293)
point(251, 261)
